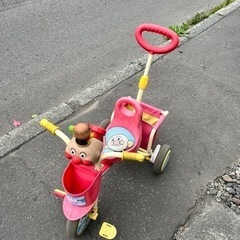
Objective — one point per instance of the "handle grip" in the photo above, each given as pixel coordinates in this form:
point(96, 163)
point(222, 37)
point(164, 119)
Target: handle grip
point(49, 126)
point(148, 27)
point(133, 156)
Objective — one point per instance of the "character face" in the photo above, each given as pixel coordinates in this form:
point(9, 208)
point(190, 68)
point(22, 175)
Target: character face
point(86, 155)
point(119, 143)
point(79, 155)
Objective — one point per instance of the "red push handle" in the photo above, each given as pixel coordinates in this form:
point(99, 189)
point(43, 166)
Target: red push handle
point(159, 30)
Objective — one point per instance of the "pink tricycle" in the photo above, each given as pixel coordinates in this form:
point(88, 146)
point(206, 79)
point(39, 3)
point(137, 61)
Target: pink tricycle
point(129, 135)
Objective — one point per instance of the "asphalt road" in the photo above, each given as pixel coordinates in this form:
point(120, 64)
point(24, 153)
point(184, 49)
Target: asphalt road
point(52, 50)
point(199, 85)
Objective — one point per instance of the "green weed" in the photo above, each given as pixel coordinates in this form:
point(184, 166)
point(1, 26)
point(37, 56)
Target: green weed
point(183, 28)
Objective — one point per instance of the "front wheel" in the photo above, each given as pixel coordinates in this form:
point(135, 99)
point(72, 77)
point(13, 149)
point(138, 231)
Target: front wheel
point(76, 228)
point(161, 159)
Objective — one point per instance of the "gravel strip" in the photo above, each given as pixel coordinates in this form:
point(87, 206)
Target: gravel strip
point(226, 188)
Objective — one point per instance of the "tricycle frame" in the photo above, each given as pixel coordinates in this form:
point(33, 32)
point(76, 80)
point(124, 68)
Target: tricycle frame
point(90, 156)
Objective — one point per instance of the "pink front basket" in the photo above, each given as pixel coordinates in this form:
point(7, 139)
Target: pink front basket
point(82, 185)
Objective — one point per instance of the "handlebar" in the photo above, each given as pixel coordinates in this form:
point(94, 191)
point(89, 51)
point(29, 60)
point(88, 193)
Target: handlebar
point(130, 156)
point(54, 130)
point(49, 126)
point(148, 27)
point(121, 155)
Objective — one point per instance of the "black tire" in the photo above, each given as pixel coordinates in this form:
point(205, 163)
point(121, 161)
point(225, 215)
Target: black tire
point(75, 228)
point(161, 159)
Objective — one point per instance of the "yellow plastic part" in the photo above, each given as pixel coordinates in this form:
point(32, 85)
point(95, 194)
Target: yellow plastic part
point(133, 156)
point(108, 231)
point(49, 126)
point(143, 82)
point(150, 119)
point(93, 214)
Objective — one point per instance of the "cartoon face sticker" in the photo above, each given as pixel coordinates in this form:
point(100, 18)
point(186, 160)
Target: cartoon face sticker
point(119, 143)
point(118, 139)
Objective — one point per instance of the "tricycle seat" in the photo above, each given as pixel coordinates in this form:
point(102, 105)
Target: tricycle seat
point(124, 133)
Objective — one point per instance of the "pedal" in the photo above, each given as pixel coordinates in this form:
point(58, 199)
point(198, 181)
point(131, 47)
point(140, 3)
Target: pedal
point(108, 231)
point(59, 193)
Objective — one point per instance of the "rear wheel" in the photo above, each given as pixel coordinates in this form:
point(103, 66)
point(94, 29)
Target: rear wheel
point(76, 228)
point(161, 159)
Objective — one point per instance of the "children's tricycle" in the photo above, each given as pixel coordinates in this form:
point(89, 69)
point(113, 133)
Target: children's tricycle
point(130, 134)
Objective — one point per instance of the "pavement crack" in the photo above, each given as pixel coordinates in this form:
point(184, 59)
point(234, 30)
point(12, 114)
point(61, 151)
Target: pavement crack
point(194, 210)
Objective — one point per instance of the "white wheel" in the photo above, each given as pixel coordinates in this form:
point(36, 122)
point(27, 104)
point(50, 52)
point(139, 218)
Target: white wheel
point(161, 158)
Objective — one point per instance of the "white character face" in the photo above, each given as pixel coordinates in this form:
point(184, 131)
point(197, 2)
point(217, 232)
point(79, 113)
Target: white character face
point(119, 143)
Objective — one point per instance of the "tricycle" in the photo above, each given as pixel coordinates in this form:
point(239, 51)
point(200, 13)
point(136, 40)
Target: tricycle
point(129, 134)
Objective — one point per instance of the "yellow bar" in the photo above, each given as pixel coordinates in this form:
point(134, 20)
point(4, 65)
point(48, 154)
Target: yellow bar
point(143, 82)
point(49, 126)
point(133, 156)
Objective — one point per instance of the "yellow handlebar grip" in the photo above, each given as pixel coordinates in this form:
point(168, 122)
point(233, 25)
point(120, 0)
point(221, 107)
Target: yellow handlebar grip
point(49, 126)
point(133, 156)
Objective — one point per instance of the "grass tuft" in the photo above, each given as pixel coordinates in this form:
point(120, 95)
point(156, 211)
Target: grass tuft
point(183, 28)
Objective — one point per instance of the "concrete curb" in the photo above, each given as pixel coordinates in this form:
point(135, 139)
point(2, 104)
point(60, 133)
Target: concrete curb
point(26, 132)
point(211, 20)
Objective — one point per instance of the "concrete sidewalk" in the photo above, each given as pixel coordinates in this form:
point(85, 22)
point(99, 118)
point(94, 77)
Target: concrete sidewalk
point(199, 85)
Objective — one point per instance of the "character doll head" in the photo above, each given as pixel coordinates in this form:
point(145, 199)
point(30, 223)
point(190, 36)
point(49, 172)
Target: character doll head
point(82, 149)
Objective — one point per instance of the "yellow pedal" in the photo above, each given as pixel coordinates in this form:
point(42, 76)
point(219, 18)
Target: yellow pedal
point(108, 231)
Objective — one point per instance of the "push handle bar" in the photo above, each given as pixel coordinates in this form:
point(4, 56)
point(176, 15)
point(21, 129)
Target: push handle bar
point(49, 126)
point(148, 27)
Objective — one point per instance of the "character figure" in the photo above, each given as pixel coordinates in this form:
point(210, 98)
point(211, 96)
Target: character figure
point(82, 149)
